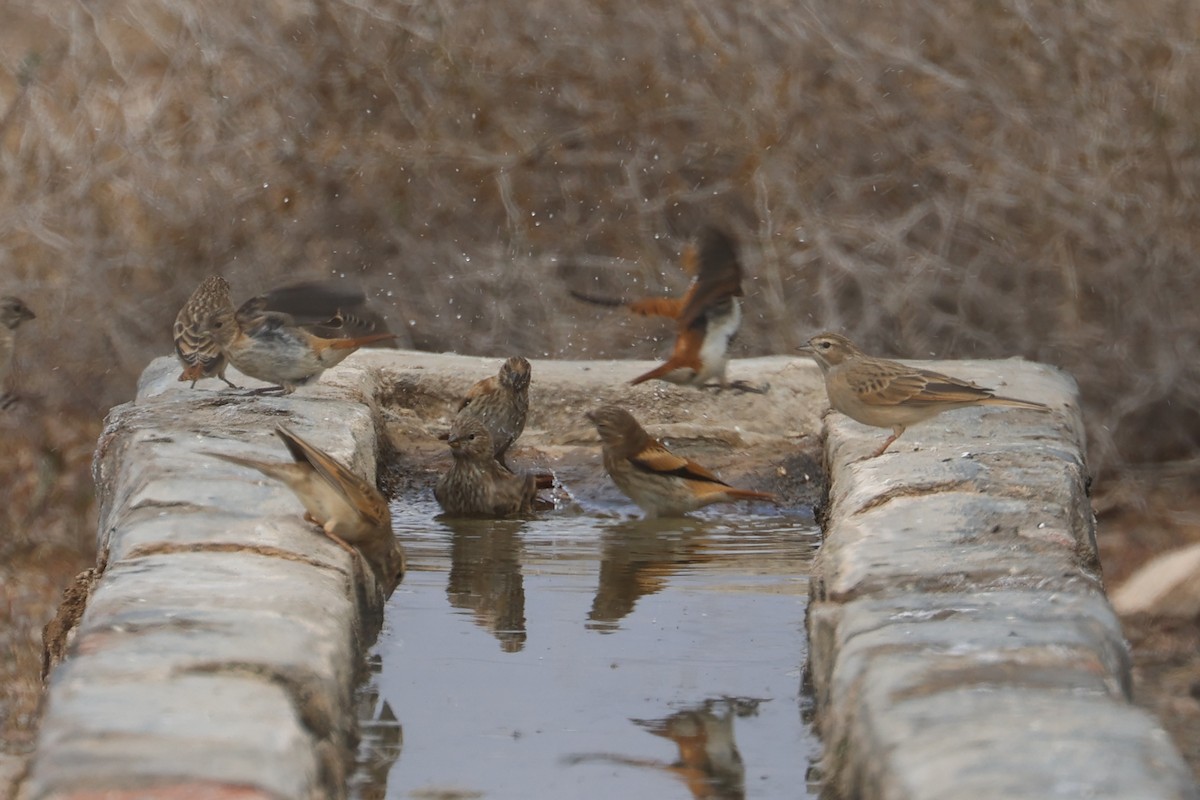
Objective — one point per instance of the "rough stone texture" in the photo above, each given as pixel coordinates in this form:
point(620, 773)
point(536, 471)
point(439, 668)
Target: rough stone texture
point(219, 649)
point(961, 644)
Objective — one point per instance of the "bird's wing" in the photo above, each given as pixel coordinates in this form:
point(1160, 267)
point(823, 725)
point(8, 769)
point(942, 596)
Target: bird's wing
point(479, 389)
point(892, 383)
point(357, 491)
point(718, 276)
point(329, 309)
point(659, 460)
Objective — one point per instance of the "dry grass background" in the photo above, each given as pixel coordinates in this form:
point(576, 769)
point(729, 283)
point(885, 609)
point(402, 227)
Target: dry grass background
point(952, 178)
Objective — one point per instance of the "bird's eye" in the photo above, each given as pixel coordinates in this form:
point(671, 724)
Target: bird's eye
point(826, 345)
point(471, 437)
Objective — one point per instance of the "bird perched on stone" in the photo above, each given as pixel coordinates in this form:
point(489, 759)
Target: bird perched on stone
point(501, 403)
point(888, 394)
point(476, 484)
point(707, 317)
point(347, 507)
point(13, 312)
point(196, 348)
point(281, 348)
point(661, 483)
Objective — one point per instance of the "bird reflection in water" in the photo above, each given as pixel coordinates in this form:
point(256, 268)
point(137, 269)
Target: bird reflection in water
point(636, 559)
point(709, 762)
point(485, 576)
point(381, 742)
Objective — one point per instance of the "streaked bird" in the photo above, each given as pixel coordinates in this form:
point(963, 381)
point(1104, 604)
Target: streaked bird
point(888, 394)
point(501, 403)
point(661, 483)
point(476, 484)
point(196, 348)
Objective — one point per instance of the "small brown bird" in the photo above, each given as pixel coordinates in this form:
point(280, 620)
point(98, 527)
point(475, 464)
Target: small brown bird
point(476, 484)
point(13, 312)
point(888, 394)
point(501, 403)
point(661, 483)
point(707, 317)
point(349, 509)
point(281, 325)
point(196, 348)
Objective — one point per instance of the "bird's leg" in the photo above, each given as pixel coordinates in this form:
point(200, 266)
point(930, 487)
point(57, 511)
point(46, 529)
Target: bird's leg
point(896, 431)
point(232, 385)
point(342, 543)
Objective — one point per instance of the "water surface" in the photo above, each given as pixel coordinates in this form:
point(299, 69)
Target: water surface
point(592, 657)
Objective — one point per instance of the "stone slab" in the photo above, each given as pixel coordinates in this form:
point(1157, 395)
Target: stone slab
point(960, 641)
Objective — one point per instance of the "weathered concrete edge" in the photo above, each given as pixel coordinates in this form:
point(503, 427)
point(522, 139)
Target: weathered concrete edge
point(220, 645)
point(960, 641)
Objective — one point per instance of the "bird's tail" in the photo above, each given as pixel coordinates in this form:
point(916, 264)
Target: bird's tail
point(750, 494)
point(192, 372)
point(662, 369)
point(669, 307)
point(1014, 403)
point(271, 469)
point(357, 341)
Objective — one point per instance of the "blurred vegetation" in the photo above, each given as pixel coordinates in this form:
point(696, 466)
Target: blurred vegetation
point(974, 178)
point(960, 178)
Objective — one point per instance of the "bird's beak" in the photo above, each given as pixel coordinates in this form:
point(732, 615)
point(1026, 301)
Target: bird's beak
point(806, 348)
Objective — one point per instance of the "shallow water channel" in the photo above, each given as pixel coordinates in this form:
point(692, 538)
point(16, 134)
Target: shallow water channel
point(593, 657)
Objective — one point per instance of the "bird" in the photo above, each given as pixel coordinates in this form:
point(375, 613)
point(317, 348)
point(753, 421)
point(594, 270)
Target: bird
point(206, 340)
point(13, 312)
point(707, 317)
point(661, 483)
point(476, 484)
point(501, 403)
point(196, 348)
point(888, 394)
point(347, 507)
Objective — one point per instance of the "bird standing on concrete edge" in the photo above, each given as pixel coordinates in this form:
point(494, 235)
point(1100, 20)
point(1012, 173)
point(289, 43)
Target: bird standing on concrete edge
point(707, 317)
point(349, 509)
point(888, 394)
point(196, 348)
point(287, 336)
